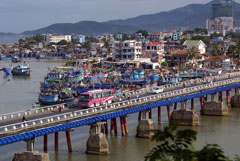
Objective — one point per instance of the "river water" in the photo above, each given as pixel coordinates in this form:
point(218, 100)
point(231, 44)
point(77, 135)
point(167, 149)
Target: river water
point(20, 93)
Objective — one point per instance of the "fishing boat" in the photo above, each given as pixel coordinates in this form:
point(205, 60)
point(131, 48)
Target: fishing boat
point(21, 70)
point(15, 59)
point(7, 70)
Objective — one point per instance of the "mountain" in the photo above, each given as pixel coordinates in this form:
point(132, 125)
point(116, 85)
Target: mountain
point(6, 34)
point(190, 16)
point(83, 27)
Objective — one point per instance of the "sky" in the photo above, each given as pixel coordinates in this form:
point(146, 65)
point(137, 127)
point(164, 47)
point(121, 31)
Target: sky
point(22, 15)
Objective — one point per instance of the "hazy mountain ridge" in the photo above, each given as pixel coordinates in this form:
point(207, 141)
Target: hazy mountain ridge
point(190, 16)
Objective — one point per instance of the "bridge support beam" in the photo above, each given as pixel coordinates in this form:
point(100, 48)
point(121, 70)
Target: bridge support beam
point(145, 128)
point(97, 141)
point(56, 141)
point(30, 144)
point(192, 104)
point(215, 108)
point(235, 100)
point(159, 115)
point(169, 112)
point(201, 102)
point(123, 123)
point(45, 143)
point(68, 138)
point(228, 96)
point(175, 106)
point(113, 127)
point(184, 116)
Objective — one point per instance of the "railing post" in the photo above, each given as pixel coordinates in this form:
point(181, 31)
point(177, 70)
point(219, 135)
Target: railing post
point(159, 115)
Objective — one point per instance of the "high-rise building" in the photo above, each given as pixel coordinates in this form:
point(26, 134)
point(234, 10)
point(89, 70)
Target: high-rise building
point(222, 8)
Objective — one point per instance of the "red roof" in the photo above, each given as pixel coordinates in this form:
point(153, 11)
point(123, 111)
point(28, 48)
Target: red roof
point(155, 43)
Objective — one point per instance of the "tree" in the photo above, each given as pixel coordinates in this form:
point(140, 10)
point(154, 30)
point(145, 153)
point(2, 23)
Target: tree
point(164, 64)
point(62, 42)
point(178, 145)
point(38, 38)
point(193, 54)
point(143, 32)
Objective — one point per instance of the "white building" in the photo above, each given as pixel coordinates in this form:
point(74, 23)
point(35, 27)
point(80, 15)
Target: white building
point(199, 44)
point(127, 50)
point(220, 25)
point(159, 35)
point(57, 38)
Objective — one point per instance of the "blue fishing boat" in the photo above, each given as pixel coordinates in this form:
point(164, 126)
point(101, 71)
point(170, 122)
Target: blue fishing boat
point(21, 70)
point(7, 70)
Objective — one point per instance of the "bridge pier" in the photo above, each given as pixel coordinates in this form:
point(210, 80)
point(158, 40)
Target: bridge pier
point(145, 126)
point(159, 115)
point(123, 123)
point(45, 142)
point(68, 138)
point(30, 144)
point(56, 141)
point(184, 116)
point(30, 154)
point(214, 108)
point(235, 100)
point(97, 142)
point(113, 127)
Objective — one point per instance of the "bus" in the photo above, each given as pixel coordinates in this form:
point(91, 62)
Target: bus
point(95, 98)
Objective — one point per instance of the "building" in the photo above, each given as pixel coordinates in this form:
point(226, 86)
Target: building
point(81, 39)
point(220, 25)
point(127, 50)
point(155, 50)
point(57, 38)
point(176, 37)
point(177, 58)
point(160, 36)
point(218, 61)
point(199, 44)
point(222, 8)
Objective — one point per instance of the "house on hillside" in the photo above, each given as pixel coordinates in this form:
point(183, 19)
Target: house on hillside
point(218, 61)
point(177, 57)
point(155, 50)
point(199, 44)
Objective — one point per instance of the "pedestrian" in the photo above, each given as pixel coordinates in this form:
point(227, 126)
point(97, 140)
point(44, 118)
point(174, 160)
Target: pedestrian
point(59, 108)
point(24, 119)
point(128, 97)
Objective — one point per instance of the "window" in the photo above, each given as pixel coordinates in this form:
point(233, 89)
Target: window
point(129, 56)
point(94, 96)
point(99, 95)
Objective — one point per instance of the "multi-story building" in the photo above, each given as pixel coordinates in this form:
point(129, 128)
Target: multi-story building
point(57, 38)
point(222, 8)
point(220, 25)
point(160, 36)
point(155, 50)
point(81, 39)
point(127, 50)
point(177, 57)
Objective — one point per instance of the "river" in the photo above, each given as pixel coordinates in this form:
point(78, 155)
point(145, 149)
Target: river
point(20, 93)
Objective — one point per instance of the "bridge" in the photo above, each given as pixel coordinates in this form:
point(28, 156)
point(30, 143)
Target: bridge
point(48, 120)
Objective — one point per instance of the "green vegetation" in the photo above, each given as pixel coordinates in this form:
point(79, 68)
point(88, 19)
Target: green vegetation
point(62, 42)
point(144, 33)
point(178, 145)
point(164, 64)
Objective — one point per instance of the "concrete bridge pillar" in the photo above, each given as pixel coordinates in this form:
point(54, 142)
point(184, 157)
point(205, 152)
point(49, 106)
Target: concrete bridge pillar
point(214, 107)
point(97, 142)
point(30, 144)
point(185, 116)
point(30, 154)
point(145, 128)
point(235, 100)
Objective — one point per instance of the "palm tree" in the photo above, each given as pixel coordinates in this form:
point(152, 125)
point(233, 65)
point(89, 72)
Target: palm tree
point(193, 54)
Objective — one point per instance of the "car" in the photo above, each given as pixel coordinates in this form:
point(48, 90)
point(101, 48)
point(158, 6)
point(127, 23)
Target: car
point(157, 89)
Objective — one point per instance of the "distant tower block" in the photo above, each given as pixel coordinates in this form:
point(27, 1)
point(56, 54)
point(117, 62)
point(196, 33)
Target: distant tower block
point(145, 128)
point(97, 142)
point(185, 117)
point(214, 108)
